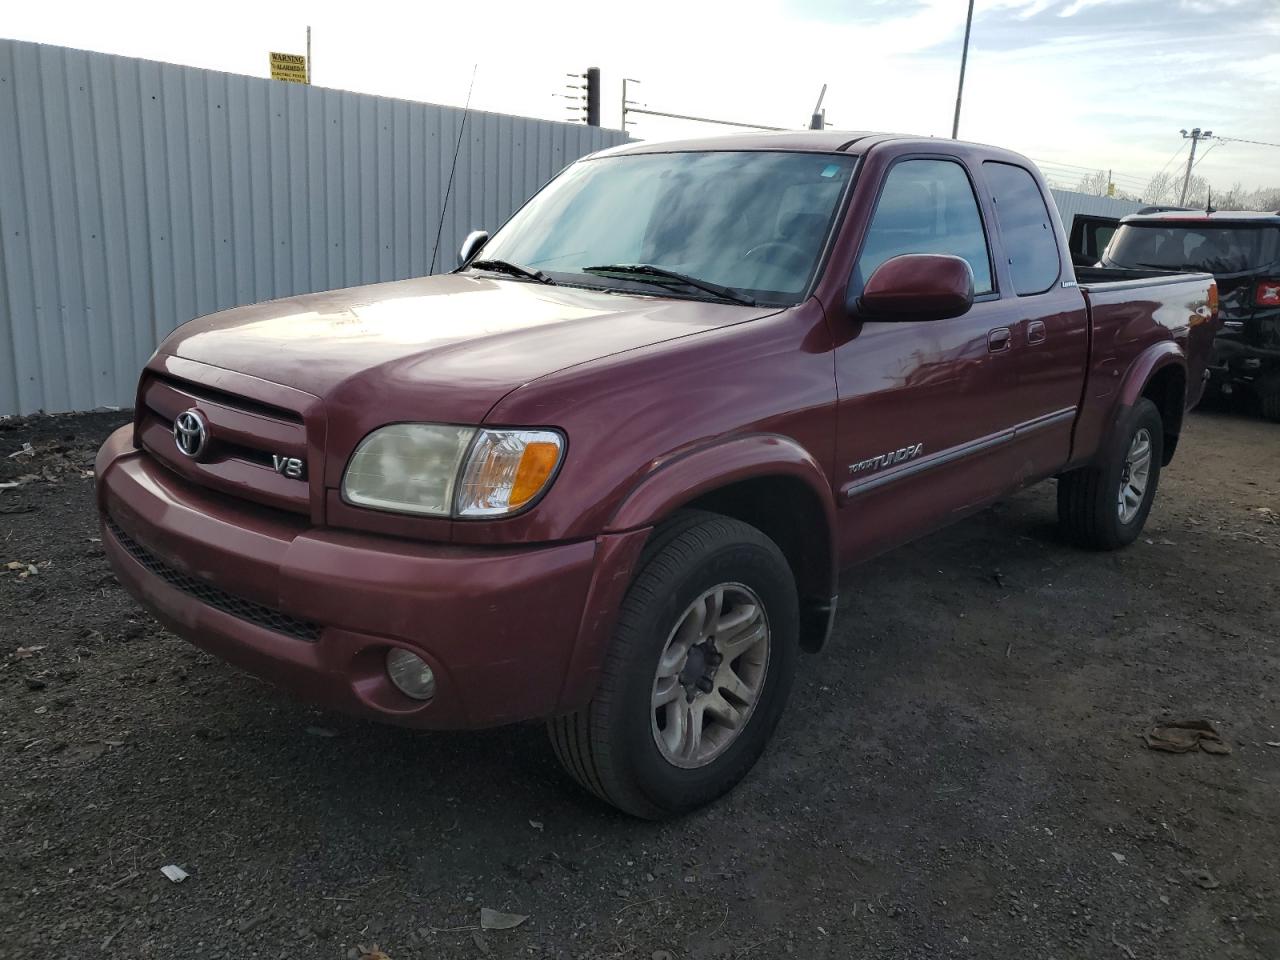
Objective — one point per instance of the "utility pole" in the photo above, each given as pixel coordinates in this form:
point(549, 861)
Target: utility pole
point(593, 96)
point(818, 121)
point(587, 105)
point(964, 60)
point(626, 104)
point(1195, 136)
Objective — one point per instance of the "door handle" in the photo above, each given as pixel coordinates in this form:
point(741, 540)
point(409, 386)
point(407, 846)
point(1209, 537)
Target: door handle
point(1036, 332)
point(999, 339)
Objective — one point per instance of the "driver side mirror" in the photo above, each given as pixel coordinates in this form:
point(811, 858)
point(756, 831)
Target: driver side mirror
point(476, 239)
point(917, 286)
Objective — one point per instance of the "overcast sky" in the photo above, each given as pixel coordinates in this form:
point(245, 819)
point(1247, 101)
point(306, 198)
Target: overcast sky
point(1094, 83)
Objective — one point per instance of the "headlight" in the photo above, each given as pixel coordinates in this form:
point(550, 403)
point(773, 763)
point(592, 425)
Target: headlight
point(444, 471)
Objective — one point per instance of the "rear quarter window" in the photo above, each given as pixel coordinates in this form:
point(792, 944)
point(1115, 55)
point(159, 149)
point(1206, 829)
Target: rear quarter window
point(1029, 239)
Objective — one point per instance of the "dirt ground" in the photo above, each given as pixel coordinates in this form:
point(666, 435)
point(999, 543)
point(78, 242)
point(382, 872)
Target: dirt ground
point(960, 774)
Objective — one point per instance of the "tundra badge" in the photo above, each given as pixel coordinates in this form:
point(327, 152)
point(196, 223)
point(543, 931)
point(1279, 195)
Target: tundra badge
point(901, 455)
point(290, 467)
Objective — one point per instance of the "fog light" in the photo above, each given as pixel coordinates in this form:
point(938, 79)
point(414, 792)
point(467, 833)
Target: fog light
point(410, 673)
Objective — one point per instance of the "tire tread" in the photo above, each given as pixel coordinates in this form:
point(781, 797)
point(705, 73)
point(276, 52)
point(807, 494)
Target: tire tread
point(1086, 496)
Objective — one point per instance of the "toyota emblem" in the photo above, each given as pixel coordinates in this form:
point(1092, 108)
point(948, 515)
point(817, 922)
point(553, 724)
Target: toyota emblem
point(191, 433)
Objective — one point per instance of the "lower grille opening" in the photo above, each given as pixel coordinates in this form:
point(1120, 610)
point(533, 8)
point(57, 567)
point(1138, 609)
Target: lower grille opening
point(256, 613)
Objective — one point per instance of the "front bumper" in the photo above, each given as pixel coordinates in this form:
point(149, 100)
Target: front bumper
point(511, 633)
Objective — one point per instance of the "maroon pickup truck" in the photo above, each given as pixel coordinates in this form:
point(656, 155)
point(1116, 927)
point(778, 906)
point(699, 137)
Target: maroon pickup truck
point(606, 473)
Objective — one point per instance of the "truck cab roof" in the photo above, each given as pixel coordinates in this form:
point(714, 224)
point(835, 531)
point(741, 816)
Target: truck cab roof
point(851, 142)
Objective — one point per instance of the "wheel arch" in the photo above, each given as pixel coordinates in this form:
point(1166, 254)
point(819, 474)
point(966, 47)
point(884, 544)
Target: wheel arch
point(767, 481)
point(1160, 375)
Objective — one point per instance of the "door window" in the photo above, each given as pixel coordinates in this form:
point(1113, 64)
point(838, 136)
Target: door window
point(1025, 227)
point(926, 206)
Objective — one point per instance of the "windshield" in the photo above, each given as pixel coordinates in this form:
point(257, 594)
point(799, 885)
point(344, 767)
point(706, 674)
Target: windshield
point(1192, 246)
point(753, 222)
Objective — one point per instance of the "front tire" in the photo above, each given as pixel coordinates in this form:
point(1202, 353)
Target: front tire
point(1104, 506)
point(698, 673)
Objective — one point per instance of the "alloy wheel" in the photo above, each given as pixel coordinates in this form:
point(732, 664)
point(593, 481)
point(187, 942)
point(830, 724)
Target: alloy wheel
point(710, 675)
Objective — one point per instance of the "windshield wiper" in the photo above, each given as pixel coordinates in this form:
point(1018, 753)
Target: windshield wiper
point(657, 276)
point(511, 269)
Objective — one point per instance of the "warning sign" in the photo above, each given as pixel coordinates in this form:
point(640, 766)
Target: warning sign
point(291, 67)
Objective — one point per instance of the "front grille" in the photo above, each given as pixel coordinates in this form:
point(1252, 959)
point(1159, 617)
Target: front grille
point(245, 438)
point(201, 392)
point(216, 597)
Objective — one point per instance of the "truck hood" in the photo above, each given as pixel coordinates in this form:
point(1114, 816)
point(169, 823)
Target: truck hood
point(445, 347)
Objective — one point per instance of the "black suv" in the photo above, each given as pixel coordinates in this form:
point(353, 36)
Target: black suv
point(1242, 251)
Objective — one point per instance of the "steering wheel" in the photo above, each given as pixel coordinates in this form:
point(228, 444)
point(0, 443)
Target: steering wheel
point(796, 255)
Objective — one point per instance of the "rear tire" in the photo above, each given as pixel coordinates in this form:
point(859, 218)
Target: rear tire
point(713, 603)
point(1105, 505)
point(1269, 400)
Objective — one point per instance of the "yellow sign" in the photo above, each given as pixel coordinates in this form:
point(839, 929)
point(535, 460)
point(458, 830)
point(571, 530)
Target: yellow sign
point(291, 67)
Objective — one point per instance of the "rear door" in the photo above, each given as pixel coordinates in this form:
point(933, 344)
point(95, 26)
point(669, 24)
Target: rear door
point(1089, 237)
point(927, 409)
point(1050, 322)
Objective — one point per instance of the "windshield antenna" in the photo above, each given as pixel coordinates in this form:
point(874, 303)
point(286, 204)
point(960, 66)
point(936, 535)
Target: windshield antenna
point(466, 112)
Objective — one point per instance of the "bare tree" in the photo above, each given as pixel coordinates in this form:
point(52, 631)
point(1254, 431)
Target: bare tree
point(1197, 191)
point(1161, 189)
point(1233, 199)
point(1095, 183)
point(1264, 198)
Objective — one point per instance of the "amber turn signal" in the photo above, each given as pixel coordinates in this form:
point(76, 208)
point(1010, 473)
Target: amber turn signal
point(506, 471)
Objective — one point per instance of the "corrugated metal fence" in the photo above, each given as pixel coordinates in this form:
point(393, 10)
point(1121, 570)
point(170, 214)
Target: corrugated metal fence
point(136, 195)
point(1071, 203)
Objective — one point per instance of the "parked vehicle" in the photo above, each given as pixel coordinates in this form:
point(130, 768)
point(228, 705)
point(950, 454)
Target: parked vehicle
point(606, 473)
point(1242, 251)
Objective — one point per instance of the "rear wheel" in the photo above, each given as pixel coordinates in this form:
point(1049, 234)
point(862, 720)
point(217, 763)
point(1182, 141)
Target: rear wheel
point(1104, 506)
point(697, 675)
point(1269, 399)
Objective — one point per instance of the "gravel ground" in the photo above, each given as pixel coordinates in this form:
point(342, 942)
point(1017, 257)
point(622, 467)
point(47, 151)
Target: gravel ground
point(960, 774)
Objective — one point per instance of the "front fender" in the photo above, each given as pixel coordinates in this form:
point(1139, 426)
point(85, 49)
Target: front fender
point(688, 475)
point(670, 484)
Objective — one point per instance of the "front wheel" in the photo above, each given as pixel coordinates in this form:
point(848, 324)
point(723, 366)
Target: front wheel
point(697, 675)
point(1104, 506)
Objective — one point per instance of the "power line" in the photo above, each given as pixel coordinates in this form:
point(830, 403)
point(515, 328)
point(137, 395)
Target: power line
point(1256, 143)
point(1181, 146)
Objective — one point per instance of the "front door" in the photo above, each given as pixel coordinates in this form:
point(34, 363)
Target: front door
point(926, 408)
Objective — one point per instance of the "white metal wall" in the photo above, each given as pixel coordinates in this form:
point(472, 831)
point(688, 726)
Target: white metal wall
point(135, 195)
point(1071, 203)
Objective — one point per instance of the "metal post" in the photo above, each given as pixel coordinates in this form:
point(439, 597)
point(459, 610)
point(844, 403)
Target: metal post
point(625, 108)
point(964, 60)
point(308, 55)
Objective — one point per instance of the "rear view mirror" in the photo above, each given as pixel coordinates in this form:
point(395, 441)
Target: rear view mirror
point(917, 286)
point(476, 239)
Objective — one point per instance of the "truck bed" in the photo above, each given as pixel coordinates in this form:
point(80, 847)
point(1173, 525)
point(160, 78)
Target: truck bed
point(1131, 311)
